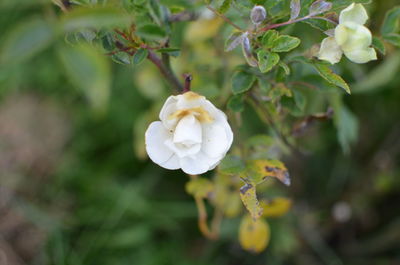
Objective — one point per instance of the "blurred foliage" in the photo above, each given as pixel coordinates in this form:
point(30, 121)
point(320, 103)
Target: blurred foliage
point(75, 185)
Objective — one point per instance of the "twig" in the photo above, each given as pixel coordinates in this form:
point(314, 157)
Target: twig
point(188, 81)
point(165, 71)
point(273, 26)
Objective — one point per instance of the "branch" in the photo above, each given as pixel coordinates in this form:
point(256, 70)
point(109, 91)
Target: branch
point(165, 71)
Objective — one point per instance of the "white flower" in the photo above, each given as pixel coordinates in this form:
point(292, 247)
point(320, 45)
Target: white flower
point(192, 135)
point(351, 38)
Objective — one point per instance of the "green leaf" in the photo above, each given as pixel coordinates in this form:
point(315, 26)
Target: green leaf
point(393, 39)
point(151, 32)
point(284, 67)
point(25, 40)
point(88, 70)
point(121, 58)
point(380, 76)
point(379, 45)
point(391, 22)
point(225, 6)
point(346, 123)
point(94, 17)
point(140, 56)
point(231, 165)
point(236, 103)
point(250, 201)
point(331, 77)
point(254, 236)
point(242, 82)
point(285, 43)
point(174, 52)
point(267, 60)
point(269, 38)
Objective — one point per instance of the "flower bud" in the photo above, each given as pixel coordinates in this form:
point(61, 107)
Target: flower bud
point(258, 14)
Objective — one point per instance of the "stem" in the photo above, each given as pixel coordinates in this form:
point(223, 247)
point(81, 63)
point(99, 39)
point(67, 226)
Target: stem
point(227, 20)
point(273, 26)
point(165, 71)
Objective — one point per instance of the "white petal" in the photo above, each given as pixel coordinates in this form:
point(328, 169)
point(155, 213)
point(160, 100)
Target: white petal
point(198, 164)
point(330, 51)
point(188, 131)
point(182, 150)
point(172, 163)
point(361, 56)
point(155, 137)
point(167, 110)
point(215, 140)
point(352, 36)
point(354, 13)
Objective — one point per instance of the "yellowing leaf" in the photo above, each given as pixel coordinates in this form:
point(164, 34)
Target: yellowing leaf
point(249, 199)
point(254, 236)
point(199, 187)
point(276, 207)
point(260, 169)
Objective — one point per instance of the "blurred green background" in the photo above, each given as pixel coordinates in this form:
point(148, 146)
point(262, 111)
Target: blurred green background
point(76, 188)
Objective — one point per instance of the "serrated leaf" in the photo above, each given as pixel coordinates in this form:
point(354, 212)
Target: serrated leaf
point(231, 165)
point(94, 17)
point(88, 70)
point(379, 45)
point(250, 201)
point(234, 40)
point(327, 73)
point(236, 103)
point(391, 22)
point(269, 38)
point(319, 6)
point(242, 82)
point(25, 40)
point(199, 187)
point(276, 207)
point(151, 32)
point(259, 170)
point(295, 8)
point(254, 236)
point(285, 43)
point(267, 60)
point(140, 56)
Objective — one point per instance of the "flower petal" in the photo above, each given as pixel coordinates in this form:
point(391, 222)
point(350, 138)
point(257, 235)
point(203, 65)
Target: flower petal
point(352, 36)
point(215, 140)
point(155, 137)
point(167, 110)
point(354, 13)
point(197, 164)
point(361, 56)
point(172, 163)
point(330, 51)
point(188, 131)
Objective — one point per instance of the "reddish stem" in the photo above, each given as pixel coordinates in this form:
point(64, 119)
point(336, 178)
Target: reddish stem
point(188, 81)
